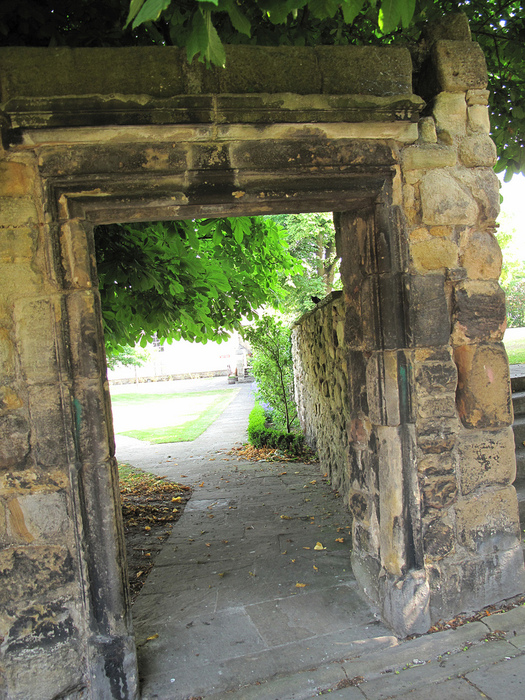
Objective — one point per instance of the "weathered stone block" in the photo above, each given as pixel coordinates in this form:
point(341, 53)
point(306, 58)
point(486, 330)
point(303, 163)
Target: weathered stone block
point(39, 517)
point(478, 150)
point(9, 400)
point(54, 447)
point(445, 201)
point(450, 114)
point(478, 119)
point(478, 312)
point(480, 255)
point(483, 397)
point(484, 185)
point(286, 154)
point(439, 491)
point(438, 538)
point(391, 500)
point(38, 339)
point(16, 245)
point(93, 421)
point(474, 582)
point(437, 464)
point(7, 354)
point(54, 668)
point(434, 254)
point(15, 179)
point(14, 440)
point(249, 68)
point(486, 458)
point(428, 316)
point(427, 130)
point(478, 97)
point(365, 70)
point(488, 523)
point(426, 157)
point(436, 437)
point(460, 65)
point(36, 573)
point(406, 602)
point(111, 158)
point(17, 211)
point(76, 256)
point(86, 341)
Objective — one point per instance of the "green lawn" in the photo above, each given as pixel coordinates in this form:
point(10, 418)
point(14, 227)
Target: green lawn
point(515, 345)
point(160, 418)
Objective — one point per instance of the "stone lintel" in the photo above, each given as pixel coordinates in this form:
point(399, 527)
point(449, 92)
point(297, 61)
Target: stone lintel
point(262, 108)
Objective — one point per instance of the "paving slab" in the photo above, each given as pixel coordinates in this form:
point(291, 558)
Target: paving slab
point(233, 624)
point(501, 680)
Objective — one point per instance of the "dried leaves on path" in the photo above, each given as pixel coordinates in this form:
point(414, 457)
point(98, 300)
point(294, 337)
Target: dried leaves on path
point(150, 506)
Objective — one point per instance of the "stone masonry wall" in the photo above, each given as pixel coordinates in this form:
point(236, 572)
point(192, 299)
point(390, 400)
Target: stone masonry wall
point(321, 385)
point(55, 448)
point(428, 450)
point(463, 412)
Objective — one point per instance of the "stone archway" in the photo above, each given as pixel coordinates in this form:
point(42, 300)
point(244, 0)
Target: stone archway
point(425, 445)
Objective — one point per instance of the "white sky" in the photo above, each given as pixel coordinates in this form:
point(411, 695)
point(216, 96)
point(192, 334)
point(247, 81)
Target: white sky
point(513, 208)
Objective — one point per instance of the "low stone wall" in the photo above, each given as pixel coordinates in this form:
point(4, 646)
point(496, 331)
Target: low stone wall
point(321, 385)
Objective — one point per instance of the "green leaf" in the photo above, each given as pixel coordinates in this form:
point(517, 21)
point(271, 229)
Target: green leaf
point(323, 9)
point(389, 15)
point(350, 10)
point(198, 38)
point(408, 7)
point(214, 53)
point(134, 7)
point(238, 19)
point(150, 11)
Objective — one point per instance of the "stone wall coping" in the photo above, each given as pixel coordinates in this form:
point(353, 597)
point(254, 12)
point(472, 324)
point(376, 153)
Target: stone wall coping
point(164, 71)
point(329, 299)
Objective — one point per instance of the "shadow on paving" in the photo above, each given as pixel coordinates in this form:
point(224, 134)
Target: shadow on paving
point(239, 593)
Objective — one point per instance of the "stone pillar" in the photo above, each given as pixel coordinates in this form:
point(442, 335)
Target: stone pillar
point(58, 557)
point(461, 394)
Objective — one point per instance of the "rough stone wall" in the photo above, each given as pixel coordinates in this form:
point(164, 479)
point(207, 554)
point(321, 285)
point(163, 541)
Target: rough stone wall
point(321, 385)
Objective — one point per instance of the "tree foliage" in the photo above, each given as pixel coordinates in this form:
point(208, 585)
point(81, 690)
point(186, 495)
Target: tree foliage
point(194, 280)
point(127, 356)
point(311, 239)
point(272, 367)
point(512, 278)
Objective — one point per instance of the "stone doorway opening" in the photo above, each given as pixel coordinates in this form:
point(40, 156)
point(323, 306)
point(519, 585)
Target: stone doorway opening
point(429, 460)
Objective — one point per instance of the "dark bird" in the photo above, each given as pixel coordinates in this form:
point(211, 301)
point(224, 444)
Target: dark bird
point(316, 300)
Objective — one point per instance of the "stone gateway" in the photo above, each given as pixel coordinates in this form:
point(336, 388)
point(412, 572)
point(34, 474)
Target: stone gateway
point(402, 379)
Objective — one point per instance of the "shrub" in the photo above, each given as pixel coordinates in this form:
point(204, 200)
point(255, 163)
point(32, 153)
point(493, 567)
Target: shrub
point(260, 435)
point(272, 366)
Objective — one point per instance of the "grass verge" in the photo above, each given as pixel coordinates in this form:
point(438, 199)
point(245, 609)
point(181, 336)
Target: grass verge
point(185, 431)
point(514, 341)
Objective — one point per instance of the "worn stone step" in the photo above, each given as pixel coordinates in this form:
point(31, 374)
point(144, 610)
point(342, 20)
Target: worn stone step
point(520, 465)
point(519, 431)
point(518, 403)
point(517, 382)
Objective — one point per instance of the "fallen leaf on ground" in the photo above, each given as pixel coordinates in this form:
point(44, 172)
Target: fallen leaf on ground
point(300, 585)
point(153, 636)
point(319, 546)
point(339, 539)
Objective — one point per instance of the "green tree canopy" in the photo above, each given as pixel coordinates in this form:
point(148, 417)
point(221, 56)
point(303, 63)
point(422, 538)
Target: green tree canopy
point(194, 280)
point(311, 240)
point(203, 26)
